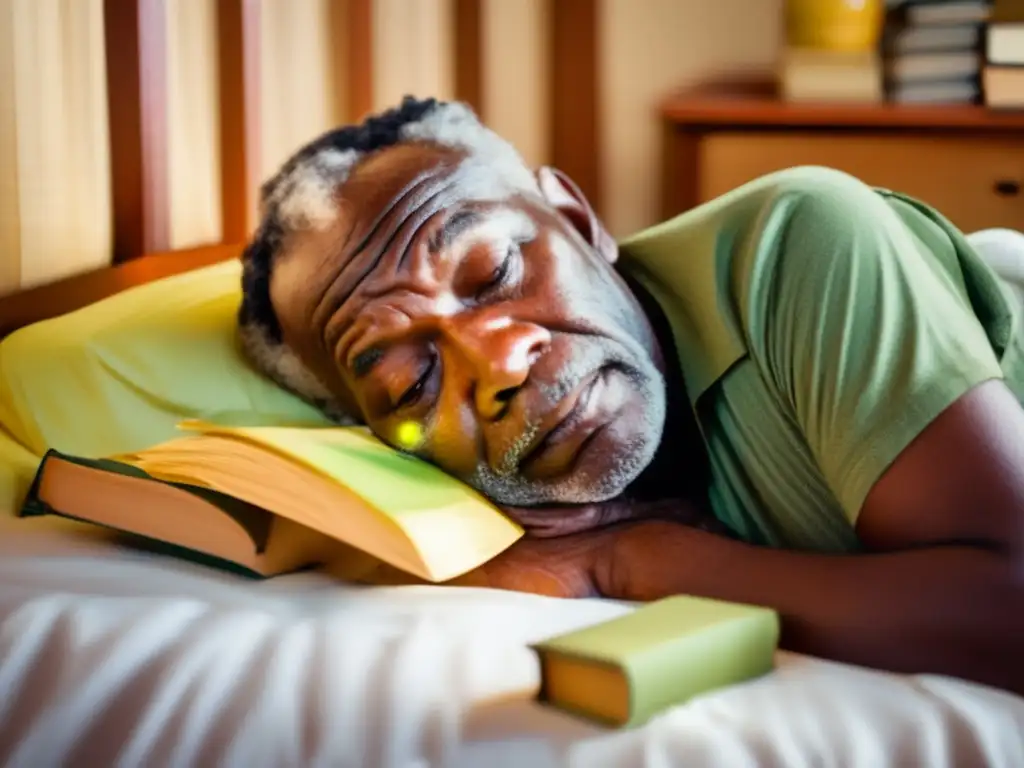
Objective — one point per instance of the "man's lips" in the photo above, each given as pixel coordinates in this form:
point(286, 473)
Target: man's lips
point(577, 416)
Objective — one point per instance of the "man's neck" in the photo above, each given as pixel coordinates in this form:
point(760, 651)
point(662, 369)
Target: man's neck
point(679, 469)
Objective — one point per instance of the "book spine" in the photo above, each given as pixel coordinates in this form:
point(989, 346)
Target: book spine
point(32, 505)
point(35, 506)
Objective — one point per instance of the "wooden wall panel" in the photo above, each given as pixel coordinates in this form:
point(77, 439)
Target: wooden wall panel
point(352, 22)
point(413, 50)
point(136, 56)
point(238, 36)
point(301, 93)
point(287, 73)
point(193, 124)
point(648, 49)
point(575, 94)
point(469, 52)
point(53, 141)
point(10, 203)
point(516, 62)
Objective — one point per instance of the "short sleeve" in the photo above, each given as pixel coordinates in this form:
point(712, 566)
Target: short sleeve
point(862, 324)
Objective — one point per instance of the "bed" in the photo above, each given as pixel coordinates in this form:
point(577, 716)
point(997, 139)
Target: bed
point(113, 656)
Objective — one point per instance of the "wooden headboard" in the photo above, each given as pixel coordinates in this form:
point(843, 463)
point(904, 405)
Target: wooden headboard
point(138, 80)
point(57, 298)
point(135, 35)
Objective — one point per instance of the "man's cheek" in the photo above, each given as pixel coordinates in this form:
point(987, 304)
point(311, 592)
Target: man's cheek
point(450, 440)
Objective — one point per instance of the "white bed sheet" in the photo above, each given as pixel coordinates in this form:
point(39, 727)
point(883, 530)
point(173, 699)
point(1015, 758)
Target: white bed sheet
point(114, 658)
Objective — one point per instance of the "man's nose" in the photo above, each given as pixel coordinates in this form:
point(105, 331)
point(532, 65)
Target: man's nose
point(500, 352)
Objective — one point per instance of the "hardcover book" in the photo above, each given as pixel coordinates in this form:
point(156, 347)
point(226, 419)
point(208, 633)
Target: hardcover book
point(270, 500)
point(624, 671)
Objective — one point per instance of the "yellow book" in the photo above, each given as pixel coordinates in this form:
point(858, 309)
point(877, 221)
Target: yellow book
point(269, 500)
point(626, 670)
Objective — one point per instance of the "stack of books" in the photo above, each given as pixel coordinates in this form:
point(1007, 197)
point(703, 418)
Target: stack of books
point(830, 52)
point(933, 50)
point(1003, 70)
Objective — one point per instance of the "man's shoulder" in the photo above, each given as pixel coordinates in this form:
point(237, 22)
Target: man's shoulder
point(724, 271)
point(756, 214)
point(704, 265)
point(794, 183)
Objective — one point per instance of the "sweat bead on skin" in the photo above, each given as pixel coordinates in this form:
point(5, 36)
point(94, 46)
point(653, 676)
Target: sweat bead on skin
point(409, 436)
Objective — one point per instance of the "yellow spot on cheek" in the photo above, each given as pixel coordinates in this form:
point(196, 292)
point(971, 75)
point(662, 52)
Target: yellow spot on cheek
point(409, 435)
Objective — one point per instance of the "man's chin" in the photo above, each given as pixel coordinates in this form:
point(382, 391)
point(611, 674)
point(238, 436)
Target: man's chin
point(603, 469)
point(597, 452)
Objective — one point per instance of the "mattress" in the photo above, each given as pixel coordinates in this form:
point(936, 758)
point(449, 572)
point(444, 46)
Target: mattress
point(112, 656)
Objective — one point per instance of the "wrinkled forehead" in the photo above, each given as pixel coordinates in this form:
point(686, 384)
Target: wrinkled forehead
point(381, 205)
point(406, 177)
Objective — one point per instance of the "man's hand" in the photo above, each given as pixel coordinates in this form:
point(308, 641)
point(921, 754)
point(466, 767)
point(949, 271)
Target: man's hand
point(569, 566)
point(571, 551)
point(566, 552)
point(564, 566)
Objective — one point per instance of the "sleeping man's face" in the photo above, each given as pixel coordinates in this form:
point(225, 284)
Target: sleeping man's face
point(476, 327)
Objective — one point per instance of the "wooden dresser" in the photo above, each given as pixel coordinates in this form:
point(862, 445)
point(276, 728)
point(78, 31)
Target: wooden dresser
point(967, 161)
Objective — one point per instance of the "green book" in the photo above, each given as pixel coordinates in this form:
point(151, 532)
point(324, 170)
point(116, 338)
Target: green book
point(624, 671)
point(271, 500)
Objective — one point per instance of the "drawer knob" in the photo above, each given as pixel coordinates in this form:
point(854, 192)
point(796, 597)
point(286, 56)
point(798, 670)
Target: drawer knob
point(1007, 188)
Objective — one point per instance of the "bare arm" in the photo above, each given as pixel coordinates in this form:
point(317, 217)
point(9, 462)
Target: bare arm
point(941, 589)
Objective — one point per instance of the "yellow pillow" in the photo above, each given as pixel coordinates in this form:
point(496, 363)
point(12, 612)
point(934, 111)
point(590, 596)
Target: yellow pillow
point(119, 374)
point(18, 467)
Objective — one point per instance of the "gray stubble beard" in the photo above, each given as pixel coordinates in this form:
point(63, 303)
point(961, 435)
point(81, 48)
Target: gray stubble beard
point(508, 487)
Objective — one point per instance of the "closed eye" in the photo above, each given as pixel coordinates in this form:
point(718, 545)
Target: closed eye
point(364, 361)
point(505, 271)
point(412, 395)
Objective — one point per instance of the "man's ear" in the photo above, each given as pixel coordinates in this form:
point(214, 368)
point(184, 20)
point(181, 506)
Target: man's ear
point(562, 193)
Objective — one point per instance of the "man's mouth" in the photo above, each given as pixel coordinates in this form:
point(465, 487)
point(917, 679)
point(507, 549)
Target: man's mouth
point(577, 421)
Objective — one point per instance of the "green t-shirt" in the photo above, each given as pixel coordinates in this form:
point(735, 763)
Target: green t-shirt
point(821, 325)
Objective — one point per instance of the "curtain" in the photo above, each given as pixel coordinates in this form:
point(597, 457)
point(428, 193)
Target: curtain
point(55, 186)
point(193, 116)
point(515, 74)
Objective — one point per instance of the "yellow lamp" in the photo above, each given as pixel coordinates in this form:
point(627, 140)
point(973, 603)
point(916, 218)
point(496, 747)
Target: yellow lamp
point(834, 25)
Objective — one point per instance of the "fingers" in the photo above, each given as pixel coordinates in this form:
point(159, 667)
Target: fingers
point(520, 571)
point(561, 566)
point(542, 579)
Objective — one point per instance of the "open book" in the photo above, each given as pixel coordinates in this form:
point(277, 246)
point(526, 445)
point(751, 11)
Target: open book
point(271, 500)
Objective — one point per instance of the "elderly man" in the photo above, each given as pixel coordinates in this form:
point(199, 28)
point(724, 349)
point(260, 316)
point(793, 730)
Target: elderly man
point(830, 372)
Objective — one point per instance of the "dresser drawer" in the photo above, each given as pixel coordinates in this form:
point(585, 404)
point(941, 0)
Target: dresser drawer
point(977, 181)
